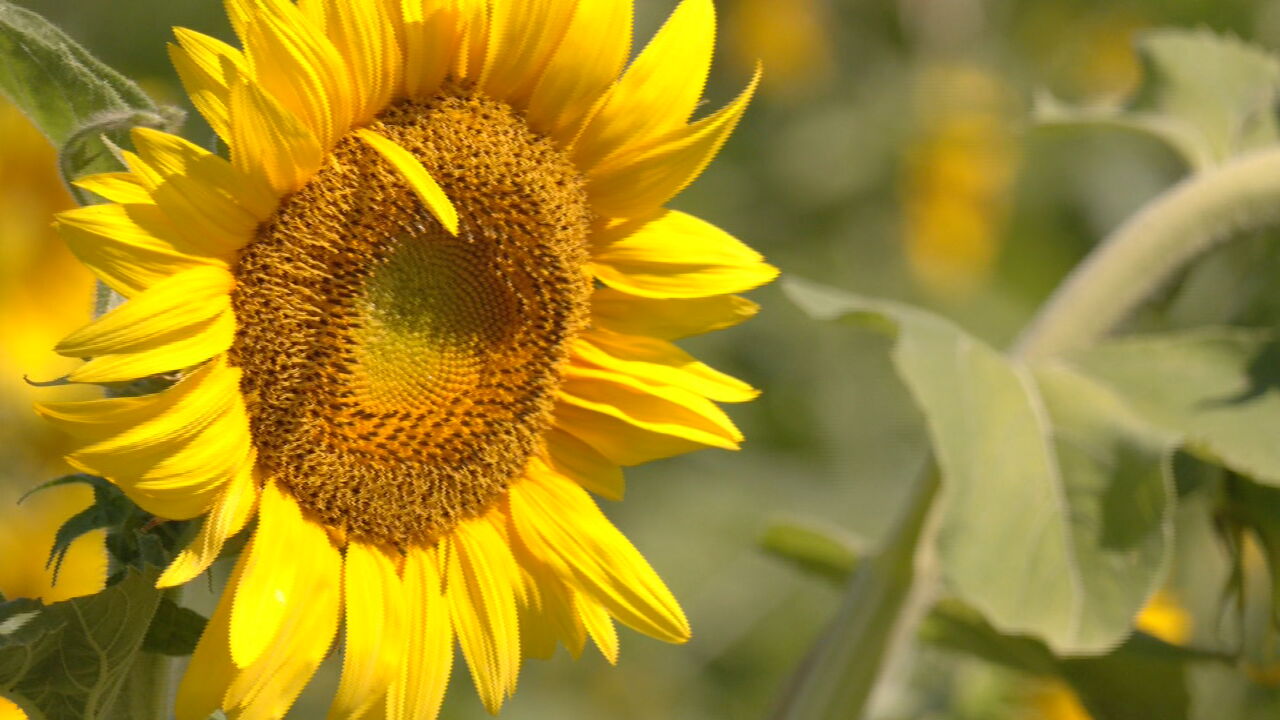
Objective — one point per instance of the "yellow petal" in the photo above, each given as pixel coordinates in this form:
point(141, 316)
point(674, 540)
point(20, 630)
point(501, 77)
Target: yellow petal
point(660, 89)
point(631, 183)
point(522, 36)
point(549, 614)
point(289, 558)
point(118, 187)
point(126, 255)
point(363, 34)
point(234, 200)
point(577, 461)
point(430, 40)
point(427, 189)
point(560, 525)
point(206, 67)
point(667, 318)
point(176, 350)
point(267, 689)
point(657, 409)
point(210, 671)
point(586, 62)
point(671, 254)
point(482, 584)
point(172, 304)
point(270, 142)
point(619, 440)
point(473, 34)
point(377, 623)
point(419, 687)
point(294, 63)
point(599, 625)
point(230, 514)
point(659, 362)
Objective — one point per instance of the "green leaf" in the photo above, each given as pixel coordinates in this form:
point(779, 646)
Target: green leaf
point(175, 629)
point(55, 81)
point(1055, 501)
point(815, 550)
point(79, 103)
point(1218, 387)
point(72, 660)
point(1208, 96)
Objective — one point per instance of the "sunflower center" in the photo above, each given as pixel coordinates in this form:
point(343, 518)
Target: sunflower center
point(398, 378)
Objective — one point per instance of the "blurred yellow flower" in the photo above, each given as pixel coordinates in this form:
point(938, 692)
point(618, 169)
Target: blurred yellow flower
point(792, 39)
point(42, 289)
point(1165, 618)
point(957, 180)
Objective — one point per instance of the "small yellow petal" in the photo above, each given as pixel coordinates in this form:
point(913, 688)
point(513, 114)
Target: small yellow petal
point(522, 36)
point(418, 690)
point(560, 525)
point(659, 362)
point(599, 625)
point(620, 440)
point(206, 67)
point(671, 254)
point(482, 585)
point(270, 142)
point(363, 34)
point(118, 187)
point(431, 38)
point(289, 557)
point(427, 189)
point(630, 183)
point(657, 409)
point(230, 514)
point(377, 627)
point(667, 318)
point(660, 89)
point(165, 353)
point(587, 61)
point(177, 302)
point(577, 461)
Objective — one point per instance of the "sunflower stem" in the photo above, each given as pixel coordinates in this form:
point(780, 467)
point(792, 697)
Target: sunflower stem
point(883, 603)
point(1149, 249)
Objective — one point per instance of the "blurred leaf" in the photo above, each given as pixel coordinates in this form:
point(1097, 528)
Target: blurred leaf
point(819, 551)
point(1144, 678)
point(955, 627)
point(1051, 493)
point(1208, 96)
point(1256, 508)
point(72, 660)
point(55, 81)
point(174, 630)
point(1220, 387)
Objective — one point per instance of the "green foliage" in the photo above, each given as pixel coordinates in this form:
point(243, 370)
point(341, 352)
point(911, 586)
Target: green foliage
point(815, 550)
point(74, 660)
point(1207, 96)
point(1218, 387)
point(175, 630)
point(78, 102)
point(1042, 469)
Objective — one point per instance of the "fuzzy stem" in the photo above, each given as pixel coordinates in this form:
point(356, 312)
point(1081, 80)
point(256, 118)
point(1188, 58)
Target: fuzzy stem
point(1149, 249)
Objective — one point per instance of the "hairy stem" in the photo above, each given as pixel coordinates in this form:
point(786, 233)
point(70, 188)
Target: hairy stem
point(1150, 248)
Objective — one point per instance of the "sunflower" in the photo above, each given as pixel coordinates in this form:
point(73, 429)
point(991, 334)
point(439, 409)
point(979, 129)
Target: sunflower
point(424, 308)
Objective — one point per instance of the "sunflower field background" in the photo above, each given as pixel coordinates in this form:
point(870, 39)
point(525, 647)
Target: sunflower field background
point(958, 157)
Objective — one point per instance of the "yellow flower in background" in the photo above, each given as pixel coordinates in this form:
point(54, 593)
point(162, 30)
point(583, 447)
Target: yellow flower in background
point(793, 39)
point(425, 307)
point(958, 178)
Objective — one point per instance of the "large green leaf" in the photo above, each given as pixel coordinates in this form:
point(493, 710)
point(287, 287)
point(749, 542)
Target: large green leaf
point(1208, 96)
point(72, 660)
point(1055, 498)
point(55, 81)
point(1219, 387)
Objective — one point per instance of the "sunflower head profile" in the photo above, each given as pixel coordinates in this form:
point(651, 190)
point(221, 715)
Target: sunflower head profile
point(425, 308)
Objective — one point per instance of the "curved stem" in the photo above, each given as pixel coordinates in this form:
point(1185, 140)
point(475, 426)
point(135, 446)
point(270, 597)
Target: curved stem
point(1150, 248)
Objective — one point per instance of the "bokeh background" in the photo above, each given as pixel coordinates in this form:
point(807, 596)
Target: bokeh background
point(890, 152)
